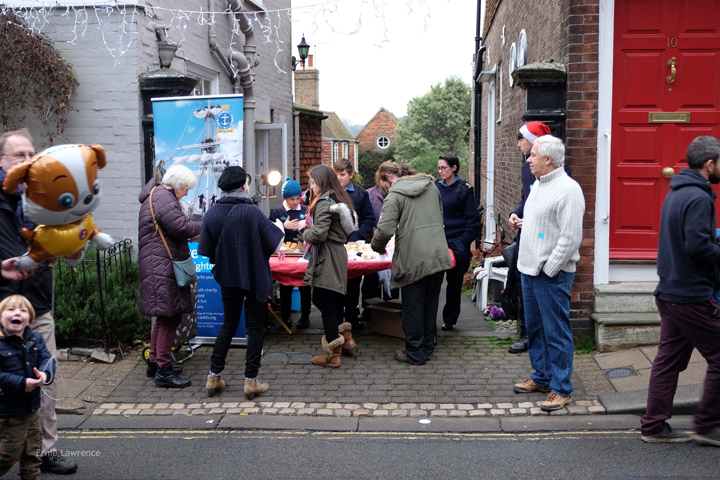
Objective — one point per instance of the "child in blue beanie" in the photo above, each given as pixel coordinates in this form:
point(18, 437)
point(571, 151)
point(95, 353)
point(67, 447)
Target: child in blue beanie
point(293, 216)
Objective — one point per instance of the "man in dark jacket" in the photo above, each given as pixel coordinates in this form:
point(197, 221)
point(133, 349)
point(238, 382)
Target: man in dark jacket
point(688, 257)
point(16, 146)
point(366, 220)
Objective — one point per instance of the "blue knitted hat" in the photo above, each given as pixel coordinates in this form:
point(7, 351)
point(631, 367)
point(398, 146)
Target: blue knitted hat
point(291, 188)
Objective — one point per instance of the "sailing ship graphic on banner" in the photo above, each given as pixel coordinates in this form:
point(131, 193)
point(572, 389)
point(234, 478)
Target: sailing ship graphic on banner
point(205, 134)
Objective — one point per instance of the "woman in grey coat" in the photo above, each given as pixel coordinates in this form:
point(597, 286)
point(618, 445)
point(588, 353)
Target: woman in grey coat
point(160, 295)
point(333, 220)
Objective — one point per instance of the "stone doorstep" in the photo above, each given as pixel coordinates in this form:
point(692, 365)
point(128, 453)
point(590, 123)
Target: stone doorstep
point(587, 407)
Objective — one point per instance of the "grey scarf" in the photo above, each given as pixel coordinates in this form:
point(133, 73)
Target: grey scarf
point(239, 193)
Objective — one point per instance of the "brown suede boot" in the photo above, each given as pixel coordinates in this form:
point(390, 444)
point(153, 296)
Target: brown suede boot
point(253, 387)
point(331, 353)
point(345, 330)
point(214, 384)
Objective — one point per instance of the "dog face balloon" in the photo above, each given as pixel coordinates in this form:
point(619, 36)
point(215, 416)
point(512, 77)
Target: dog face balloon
point(62, 184)
point(61, 191)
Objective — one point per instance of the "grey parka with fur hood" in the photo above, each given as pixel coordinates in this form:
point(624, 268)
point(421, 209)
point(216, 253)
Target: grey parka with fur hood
point(332, 225)
point(413, 213)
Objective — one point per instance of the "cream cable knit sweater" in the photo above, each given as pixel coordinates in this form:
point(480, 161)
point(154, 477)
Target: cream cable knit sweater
point(552, 225)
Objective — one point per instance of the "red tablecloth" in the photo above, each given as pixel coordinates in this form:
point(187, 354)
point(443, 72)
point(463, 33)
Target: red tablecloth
point(291, 271)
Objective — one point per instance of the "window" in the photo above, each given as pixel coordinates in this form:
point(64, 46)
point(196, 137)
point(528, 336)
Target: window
point(334, 152)
point(382, 142)
point(345, 148)
point(207, 79)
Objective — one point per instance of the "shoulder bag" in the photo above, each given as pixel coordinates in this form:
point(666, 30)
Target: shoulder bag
point(185, 273)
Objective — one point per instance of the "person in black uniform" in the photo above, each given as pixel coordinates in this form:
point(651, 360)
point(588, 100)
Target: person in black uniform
point(462, 225)
point(293, 217)
point(366, 219)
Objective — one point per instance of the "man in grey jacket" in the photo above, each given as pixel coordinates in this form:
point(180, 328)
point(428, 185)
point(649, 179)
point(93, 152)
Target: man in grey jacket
point(552, 234)
point(413, 213)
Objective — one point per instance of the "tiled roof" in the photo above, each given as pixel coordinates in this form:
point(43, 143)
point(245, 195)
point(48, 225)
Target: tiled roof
point(334, 128)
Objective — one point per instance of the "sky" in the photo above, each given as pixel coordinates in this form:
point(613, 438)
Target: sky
point(361, 72)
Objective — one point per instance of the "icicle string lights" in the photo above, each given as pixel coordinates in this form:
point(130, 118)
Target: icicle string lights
point(118, 22)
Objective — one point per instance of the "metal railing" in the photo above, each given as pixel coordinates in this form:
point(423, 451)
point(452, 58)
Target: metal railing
point(96, 273)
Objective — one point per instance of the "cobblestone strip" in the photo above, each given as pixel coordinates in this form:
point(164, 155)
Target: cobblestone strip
point(582, 407)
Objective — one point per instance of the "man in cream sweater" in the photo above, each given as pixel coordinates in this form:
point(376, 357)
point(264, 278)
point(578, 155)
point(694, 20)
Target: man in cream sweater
point(552, 233)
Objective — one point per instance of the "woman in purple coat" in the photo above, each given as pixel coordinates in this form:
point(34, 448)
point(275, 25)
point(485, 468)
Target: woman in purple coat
point(160, 295)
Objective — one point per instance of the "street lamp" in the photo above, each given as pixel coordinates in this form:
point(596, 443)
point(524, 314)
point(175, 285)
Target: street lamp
point(303, 49)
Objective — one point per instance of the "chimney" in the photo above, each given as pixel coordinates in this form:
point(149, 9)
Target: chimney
point(307, 85)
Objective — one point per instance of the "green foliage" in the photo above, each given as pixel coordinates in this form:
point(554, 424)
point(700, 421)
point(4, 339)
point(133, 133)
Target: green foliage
point(368, 163)
point(502, 341)
point(33, 77)
point(357, 179)
point(436, 123)
point(77, 304)
point(584, 344)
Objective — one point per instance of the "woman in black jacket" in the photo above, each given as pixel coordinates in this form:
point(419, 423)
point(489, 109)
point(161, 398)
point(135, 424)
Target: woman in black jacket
point(238, 239)
point(462, 225)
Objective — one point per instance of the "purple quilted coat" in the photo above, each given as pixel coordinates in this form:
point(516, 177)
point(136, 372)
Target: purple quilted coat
point(159, 293)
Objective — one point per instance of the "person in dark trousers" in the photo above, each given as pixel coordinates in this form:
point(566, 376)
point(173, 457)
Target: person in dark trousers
point(16, 147)
point(687, 264)
point(238, 239)
point(413, 212)
point(366, 218)
point(332, 222)
point(527, 135)
point(293, 215)
point(462, 225)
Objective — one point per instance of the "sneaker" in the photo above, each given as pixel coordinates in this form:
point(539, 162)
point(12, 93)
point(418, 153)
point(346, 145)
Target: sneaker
point(528, 386)
point(710, 438)
point(668, 435)
point(554, 402)
point(446, 327)
point(55, 463)
point(402, 357)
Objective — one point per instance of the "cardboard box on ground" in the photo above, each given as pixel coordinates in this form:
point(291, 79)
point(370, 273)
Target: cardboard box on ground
point(386, 317)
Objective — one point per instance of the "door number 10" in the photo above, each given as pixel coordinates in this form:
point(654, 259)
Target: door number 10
point(672, 43)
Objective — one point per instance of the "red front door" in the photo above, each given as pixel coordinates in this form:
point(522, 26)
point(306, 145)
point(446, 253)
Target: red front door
point(656, 114)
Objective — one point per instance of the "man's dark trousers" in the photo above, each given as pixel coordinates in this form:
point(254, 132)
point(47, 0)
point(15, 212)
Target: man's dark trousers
point(419, 315)
point(453, 294)
point(684, 326)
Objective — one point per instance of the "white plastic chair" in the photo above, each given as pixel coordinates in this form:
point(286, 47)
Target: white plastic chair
point(483, 277)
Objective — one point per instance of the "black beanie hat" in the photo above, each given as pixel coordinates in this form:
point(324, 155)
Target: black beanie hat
point(232, 178)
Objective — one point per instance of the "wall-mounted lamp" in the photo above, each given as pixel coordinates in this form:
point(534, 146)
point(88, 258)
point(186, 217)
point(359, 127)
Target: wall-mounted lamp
point(303, 50)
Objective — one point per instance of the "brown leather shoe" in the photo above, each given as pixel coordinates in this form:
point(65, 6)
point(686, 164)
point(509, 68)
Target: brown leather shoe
point(253, 387)
point(528, 386)
point(554, 402)
point(214, 384)
point(331, 353)
point(345, 329)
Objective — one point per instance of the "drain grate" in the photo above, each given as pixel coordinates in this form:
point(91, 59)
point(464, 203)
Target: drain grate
point(301, 357)
point(620, 372)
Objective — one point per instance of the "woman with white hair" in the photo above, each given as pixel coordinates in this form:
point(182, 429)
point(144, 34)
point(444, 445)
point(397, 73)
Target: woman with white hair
point(163, 234)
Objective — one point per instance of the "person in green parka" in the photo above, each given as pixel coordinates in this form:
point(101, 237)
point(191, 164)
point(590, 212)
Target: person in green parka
point(413, 212)
point(333, 220)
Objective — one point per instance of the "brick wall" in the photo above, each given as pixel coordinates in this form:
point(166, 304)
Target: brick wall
point(382, 124)
point(328, 145)
point(310, 147)
point(566, 31)
point(307, 88)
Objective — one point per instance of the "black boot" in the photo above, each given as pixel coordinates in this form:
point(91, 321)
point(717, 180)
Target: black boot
point(166, 377)
point(55, 463)
point(303, 323)
point(521, 345)
point(152, 368)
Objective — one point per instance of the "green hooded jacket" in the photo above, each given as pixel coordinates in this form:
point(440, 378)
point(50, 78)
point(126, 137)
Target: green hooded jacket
point(413, 213)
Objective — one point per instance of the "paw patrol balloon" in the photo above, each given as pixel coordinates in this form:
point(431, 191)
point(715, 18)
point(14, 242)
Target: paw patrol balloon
point(61, 191)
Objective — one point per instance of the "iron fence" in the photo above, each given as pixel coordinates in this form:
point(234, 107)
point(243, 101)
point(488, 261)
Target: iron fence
point(96, 273)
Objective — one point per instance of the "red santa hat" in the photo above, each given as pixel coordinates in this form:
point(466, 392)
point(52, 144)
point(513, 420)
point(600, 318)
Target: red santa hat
point(534, 130)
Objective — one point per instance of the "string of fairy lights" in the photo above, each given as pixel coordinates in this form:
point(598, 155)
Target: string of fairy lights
point(118, 23)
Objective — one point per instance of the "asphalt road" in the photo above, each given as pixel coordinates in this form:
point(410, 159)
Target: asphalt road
point(218, 454)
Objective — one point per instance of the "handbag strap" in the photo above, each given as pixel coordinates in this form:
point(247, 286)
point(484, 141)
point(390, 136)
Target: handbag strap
point(226, 218)
point(157, 226)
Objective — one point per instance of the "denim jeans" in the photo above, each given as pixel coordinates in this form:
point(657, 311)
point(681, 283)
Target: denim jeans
point(547, 320)
point(254, 329)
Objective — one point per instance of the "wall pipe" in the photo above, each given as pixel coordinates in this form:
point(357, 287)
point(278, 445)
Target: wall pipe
point(215, 48)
